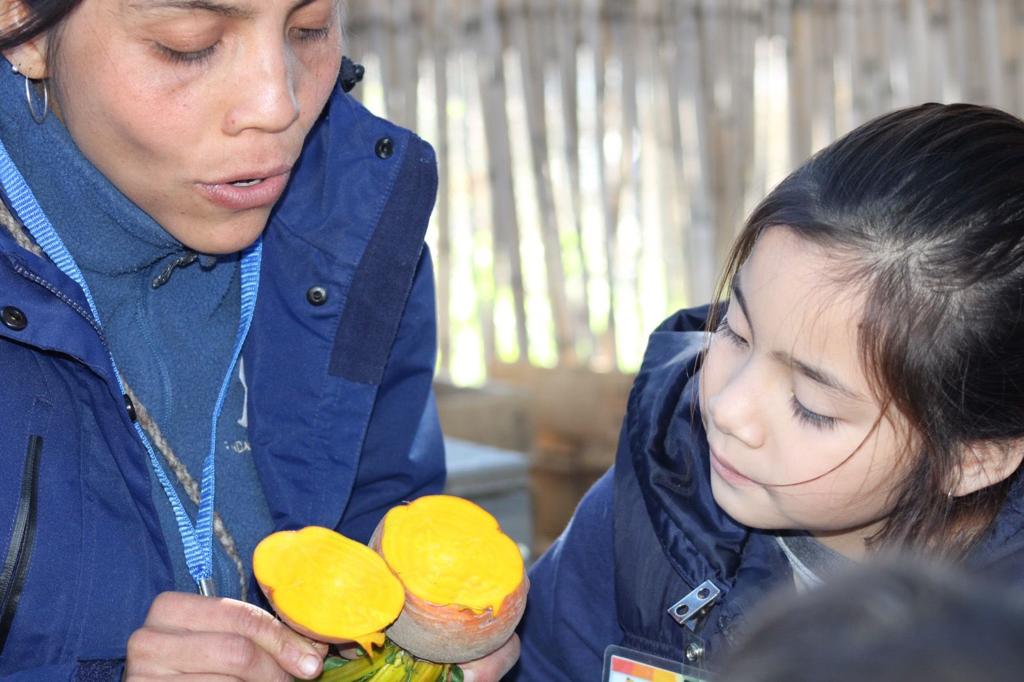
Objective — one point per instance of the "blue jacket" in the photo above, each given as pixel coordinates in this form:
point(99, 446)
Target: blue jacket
point(649, 535)
point(341, 416)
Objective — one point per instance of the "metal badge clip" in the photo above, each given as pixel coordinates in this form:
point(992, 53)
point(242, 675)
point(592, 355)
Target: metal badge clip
point(693, 607)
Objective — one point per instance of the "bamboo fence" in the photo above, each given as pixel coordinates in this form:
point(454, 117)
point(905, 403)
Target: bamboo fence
point(597, 156)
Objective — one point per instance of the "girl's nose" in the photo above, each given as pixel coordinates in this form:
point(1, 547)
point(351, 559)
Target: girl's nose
point(265, 99)
point(733, 408)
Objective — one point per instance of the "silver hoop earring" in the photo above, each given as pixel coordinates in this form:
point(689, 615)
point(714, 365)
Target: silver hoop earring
point(37, 117)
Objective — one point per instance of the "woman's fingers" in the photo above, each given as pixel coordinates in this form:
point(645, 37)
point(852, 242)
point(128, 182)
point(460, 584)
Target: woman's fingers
point(184, 628)
point(161, 652)
point(493, 667)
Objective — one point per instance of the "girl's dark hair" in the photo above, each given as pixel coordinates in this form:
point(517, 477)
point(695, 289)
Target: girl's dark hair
point(926, 206)
point(43, 15)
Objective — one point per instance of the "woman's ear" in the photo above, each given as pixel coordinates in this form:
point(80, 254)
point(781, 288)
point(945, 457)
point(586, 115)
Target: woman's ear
point(987, 463)
point(28, 57)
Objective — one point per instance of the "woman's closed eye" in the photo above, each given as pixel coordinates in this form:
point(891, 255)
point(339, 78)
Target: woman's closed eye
point(310, 35)
point(187, 56)
point(194, 57)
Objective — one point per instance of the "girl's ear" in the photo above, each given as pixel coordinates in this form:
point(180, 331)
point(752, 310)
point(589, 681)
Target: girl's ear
point(28, 57)
point(987, 463)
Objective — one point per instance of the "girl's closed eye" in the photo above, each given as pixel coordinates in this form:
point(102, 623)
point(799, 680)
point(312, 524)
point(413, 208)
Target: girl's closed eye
point(802, 413)
point(811, 418)
point(730, 335)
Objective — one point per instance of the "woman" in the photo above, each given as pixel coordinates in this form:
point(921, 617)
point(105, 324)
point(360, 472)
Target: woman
point(217, 319)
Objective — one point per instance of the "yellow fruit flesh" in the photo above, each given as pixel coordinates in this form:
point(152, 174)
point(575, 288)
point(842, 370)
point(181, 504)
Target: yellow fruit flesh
point(449, 551)
point(334, 587)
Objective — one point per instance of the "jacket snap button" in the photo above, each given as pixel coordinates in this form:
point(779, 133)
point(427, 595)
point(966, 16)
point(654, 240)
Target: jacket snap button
point(694, 652)
point(316, 295)
point(385, 148)
point(13, 318)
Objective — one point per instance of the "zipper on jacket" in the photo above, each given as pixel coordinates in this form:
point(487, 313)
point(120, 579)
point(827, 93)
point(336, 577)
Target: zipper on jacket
point(19, 552)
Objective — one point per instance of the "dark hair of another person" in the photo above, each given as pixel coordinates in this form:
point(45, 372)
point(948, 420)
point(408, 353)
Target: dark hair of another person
point(905, 622)
point(925, 208)
point(43, 15)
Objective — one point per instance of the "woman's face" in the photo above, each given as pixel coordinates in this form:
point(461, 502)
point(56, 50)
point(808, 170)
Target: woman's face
point(788, 408)
point(197, 109)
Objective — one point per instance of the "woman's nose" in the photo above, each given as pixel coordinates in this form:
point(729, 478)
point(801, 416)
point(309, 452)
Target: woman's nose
point(265, 99)
point(733, 407)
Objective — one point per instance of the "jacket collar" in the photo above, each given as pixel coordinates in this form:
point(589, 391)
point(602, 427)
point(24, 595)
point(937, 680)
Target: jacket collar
point(671, 460)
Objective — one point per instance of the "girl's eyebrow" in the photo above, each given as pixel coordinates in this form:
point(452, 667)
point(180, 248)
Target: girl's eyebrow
point(816, 374)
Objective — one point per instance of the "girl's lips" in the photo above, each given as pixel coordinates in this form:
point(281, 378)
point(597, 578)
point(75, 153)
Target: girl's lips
point(727, 472)
point(229, 196)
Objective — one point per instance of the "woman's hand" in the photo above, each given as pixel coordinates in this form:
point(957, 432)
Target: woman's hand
point(219, 639)
point(493, 667)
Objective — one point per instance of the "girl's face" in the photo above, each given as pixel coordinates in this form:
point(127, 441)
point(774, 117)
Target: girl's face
point(788, 408)
point(197, 109)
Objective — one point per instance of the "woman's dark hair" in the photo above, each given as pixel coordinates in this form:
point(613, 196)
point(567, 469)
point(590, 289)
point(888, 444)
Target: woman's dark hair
point(43, 15)
point(894, 622)
point(926, 206)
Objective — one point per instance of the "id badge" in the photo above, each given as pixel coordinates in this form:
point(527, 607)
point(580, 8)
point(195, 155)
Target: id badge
point(628, 665)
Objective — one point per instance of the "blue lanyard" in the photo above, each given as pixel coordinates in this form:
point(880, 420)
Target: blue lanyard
point(198, 539)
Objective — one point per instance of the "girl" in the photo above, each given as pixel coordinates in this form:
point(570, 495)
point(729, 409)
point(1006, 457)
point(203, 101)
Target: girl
point(217, 321)
point(862, 391)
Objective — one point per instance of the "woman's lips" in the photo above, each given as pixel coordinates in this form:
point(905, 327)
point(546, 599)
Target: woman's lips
point(727, 472)
point(230, 196)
